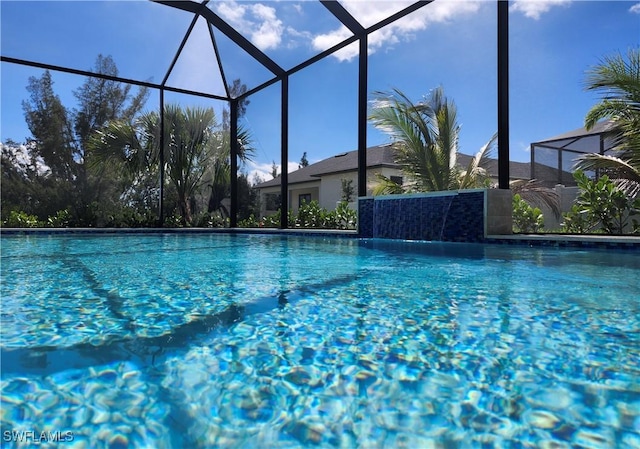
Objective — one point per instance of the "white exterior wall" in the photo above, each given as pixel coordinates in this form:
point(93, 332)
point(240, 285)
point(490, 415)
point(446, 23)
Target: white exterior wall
point(331, 186)
point(294, 195)
point(331, 189)
point(567, 196)
point(328, 189)
point(294, 190)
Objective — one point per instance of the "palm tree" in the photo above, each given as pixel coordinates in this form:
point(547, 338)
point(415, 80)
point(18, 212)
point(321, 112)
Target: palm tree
point(619, 82)
point(425, 138)
point(220, 168)
point(190, 146)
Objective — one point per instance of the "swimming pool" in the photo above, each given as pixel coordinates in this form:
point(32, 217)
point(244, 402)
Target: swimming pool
point(270, 341)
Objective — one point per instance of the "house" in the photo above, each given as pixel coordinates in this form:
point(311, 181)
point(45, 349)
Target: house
point(323, 181)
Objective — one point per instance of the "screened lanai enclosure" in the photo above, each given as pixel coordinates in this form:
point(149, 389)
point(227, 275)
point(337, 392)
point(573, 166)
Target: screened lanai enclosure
point(553, 159)
point(202, 59)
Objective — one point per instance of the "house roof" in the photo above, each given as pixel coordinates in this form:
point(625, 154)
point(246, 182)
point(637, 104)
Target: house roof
point(380, 156)
point(517, 170)
point(599, 128)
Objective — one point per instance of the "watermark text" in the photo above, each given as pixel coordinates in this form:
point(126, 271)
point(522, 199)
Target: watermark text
point(37, 437)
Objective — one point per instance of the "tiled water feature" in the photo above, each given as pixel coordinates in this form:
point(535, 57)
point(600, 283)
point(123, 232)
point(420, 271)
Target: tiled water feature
point(451, 216)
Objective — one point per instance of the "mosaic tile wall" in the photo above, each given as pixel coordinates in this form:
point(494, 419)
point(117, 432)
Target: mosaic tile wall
point(451, 218)
point(365, 218)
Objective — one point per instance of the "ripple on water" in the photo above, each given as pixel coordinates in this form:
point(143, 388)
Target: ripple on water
point(101, 405)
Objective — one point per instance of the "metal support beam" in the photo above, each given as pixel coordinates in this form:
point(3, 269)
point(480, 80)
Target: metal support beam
point(343, 16)
point(218, 59)
point(351, 39)
point(559, 180)
point(180, 48)
point(233, 138)
point(363, 68)
point(228, 30)
point(532, 152)
point(399, 15)
point(161, 160)
point(284, 154)
point(57, 68)
point(503, 94)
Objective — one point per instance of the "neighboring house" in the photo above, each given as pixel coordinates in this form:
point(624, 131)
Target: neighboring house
point(323, 180)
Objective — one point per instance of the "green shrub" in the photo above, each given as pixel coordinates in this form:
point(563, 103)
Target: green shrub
point(174, 221)
point(271, 221)
point(576, 221)
point(310, 216)
point(210, 220)
point(526, 219)
point(345, 218)
point(60, 220)
point(19, 219)
point(250, 222)
point(600, 204)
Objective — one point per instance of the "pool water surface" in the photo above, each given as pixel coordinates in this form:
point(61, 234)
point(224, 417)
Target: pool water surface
point(271, 341)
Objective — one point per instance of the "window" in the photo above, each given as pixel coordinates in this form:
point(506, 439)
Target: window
point(397, 179)
point(273, 201)
point(304, 198)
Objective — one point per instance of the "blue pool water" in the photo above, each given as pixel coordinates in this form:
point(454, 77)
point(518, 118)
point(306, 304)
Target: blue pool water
point(270, 341)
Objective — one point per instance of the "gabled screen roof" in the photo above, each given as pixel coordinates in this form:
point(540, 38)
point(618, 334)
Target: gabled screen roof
point(188, 45)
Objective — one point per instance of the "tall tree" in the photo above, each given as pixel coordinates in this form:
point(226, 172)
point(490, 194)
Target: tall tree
point(221, 168)
point(102, 100)
point(304, 162)
point(425, 136)
point(618, 81)
point(50, 125)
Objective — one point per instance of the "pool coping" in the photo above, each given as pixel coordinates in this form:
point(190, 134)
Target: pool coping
point(547, 240)
point(104, 231)
point(568, 240)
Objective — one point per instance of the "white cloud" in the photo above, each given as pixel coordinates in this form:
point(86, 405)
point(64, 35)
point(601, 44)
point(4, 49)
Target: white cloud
point(265, 30)
point(369, 13)
point(263, 169)
point(322, 42)
point(22, 158)
point(255, 20)
point(535, 8)
point(635, 8)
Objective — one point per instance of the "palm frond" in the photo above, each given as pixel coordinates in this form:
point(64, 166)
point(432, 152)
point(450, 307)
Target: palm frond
point(624, 173)
point(117, 143)
point(536, 194)
point(424, 135)
point(617, 77)
point(476, 170)
point(618, 81)
point(385, 186)
point(594, 161)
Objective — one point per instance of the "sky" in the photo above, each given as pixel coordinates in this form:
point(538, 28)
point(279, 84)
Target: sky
point(448, 43)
